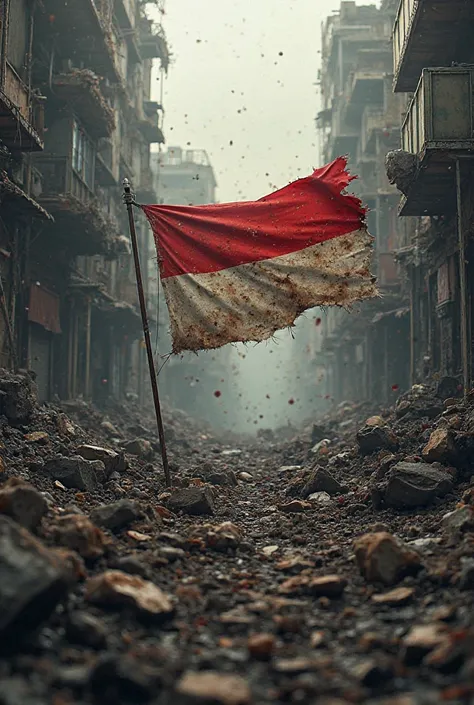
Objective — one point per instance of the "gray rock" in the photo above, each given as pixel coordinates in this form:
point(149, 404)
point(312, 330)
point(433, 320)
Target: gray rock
point(374, 438)
point(321, 481)
point(461, 519)
point(22, 502)
point(132, 565)
point(117, 515)
point(87, 630)
point(140, 447)
point(416, 485)
point(32, 583)
point(193, 500)
point(17, 396)
point(112, 460)
point(76, 472)
point(224, 479)
point(466, 575)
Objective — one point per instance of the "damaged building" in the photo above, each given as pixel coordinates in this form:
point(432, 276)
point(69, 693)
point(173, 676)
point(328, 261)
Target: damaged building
point(366, 351)
point(76, 117)
point(434, 71)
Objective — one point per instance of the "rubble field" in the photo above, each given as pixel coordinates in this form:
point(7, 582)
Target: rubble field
point(333, 567)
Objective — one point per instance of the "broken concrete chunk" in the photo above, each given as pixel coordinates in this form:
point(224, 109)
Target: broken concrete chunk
point(422, 639)
point(37, 437)
point(111, 459)
point(296, 506)
point(116, 589)
point(327, 586)
point(192, 500)
point(416, 484)
point(76, 472)
point(461, 519)
point(22, 502)
point(117, 515)
point(78, 533)
point(203, 687)
point(224, 479)
point(32, 582)
point(440, 446)
point(374, 438)
point(140, 447)
point(17, 397)
point(383, 558)
point(220, 537)
point(394, 598)
point(321, 481)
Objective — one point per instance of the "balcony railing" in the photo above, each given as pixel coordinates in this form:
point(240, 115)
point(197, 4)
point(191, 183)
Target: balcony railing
point(21, 115)
point(424, 34)
point(60, 180)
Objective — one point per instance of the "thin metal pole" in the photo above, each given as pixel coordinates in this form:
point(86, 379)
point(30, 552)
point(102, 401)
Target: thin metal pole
point(465, 342)
point(129, 201)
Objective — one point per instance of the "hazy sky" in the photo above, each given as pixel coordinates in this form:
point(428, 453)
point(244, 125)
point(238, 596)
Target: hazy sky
point(242, 87)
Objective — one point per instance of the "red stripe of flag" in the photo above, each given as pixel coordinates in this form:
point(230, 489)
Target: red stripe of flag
point(203, 239)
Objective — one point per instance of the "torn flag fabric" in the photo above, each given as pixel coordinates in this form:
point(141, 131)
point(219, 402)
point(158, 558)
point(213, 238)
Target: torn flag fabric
point(241, 271)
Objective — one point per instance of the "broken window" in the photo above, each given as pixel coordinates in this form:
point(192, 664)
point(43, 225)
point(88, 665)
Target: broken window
point(83, 153)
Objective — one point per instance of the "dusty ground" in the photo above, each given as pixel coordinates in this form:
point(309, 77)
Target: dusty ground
point(267, 594)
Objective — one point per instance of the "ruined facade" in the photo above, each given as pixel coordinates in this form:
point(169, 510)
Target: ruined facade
point(366, 351)
point(76, 117)
point(433, 69)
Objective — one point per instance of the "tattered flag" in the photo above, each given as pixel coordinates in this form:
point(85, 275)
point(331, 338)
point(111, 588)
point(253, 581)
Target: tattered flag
point(241, 271)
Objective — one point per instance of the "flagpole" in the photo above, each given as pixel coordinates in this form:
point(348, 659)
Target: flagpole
point(129, 201)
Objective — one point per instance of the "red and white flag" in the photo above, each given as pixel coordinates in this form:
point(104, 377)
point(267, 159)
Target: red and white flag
point(241, 271)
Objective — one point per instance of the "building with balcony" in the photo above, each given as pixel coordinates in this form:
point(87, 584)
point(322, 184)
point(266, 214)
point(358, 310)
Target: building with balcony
point(433, 71)
point(366, 349)
point(76, 117)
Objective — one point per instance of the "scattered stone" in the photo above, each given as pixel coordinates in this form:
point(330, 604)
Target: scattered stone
point(317, 639)
point(321, 481)
point(138, 536)
point(112, 460)
point(140, 447)
point(422, 639)
point(383, 558)
point(369, 673)
point(131, 564)
point(32, 582)
point(222, 479)
point(394, 598)
point(296, 506)
point(245, 476)
point(17, 397)
point(76, 472)
point(220, 537)
point(375, 421)
point(270, 550)
point(206, 687)
point(118, 678)
point(171, 553)
point(37, 437)
point(320, 498)
point(116, 589)
point(86, 630)
point(466, 575)
point(65, 426)
point(77, 532)
point(110, 429)
point(375, 438)
point(117, 515)
point(261, 645)
point(294, 666)
point(440, 446)
point(416, 484)
point(461, 519)
point(327, 586)
point(192, 500)
point(22, 502)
